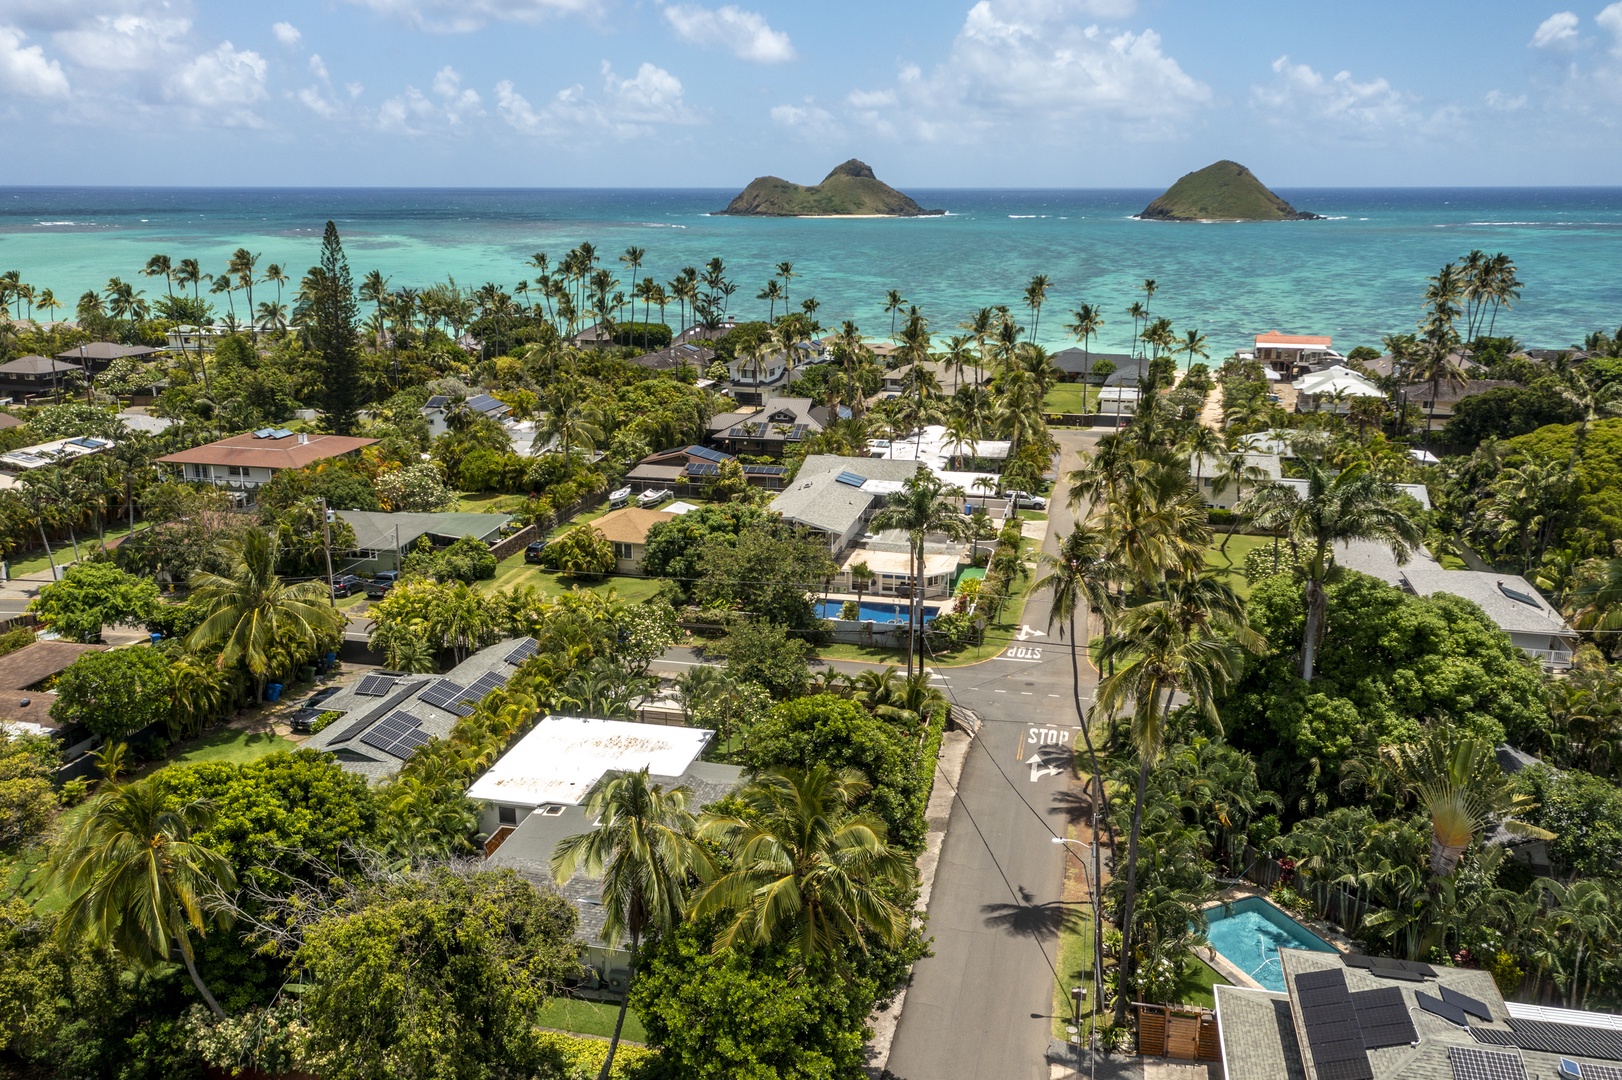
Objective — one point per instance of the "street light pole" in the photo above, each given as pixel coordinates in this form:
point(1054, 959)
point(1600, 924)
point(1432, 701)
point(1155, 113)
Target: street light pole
point(1098, 933)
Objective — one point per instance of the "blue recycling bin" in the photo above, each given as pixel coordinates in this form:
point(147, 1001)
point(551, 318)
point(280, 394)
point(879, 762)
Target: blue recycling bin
point(273, 692)
point(156, 637)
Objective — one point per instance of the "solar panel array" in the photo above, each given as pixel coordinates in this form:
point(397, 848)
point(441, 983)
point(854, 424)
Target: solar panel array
point(1600, 1072)
point(850, 479)
point(1437, 1007)
point(765, 470)
point(1467, 1003)
point(797, 431)
point(490, 680)
point(443, 693)
point(522, 651)
point(707, 454)
point(352, 730)
point(398, 734)
point(702, 468)
point(376, 685)
point(1382, 1018)
point(1329, 1020)
point(1571, 1039)
point(1384, 967)
point(1470, 1063)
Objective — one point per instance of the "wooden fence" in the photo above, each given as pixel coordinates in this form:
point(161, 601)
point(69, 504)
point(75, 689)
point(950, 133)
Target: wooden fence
point(1180, 1032)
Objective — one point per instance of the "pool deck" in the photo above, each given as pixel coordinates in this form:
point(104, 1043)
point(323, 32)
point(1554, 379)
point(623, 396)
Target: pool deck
point(1239, 891)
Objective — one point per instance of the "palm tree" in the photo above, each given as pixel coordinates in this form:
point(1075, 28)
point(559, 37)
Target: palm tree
point(251, 610)
point(785, 270)
point(644, 853)
point(923, 506)
point(242, 265)
point(805, 867)
point(374, 289)
point(772, 293)
point(161, 266)
point(570, 418)
point(893, 304)
point(633, 258)
point(1458, 784)
point(1194, 345)
point(1036, 294)
point(1079, 578)
point(1183, 642)
point(1235, 470)
point(1354, 505)
point(1087, 320)
point(136, 880)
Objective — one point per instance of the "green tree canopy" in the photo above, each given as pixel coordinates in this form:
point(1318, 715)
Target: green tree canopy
point(674, 546)
point(113, 693)
point(435, 976)
point(92, 595)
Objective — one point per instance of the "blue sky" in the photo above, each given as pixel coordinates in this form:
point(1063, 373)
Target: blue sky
point(999, 93)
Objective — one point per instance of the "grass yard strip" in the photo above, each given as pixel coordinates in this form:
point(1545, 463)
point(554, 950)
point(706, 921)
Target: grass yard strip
point(235, 746)
point(1229, 566)
point(583, 1017)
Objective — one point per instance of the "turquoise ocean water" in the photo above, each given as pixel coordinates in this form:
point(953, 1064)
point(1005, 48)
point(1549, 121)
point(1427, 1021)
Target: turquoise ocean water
point(1356, 276)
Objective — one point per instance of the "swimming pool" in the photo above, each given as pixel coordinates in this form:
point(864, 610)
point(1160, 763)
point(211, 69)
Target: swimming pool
point(873, 611)
point(1250, 933)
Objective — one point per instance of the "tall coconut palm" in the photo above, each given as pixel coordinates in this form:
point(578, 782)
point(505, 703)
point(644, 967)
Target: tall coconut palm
point(1086, 321)
point(250, 609)
point(1078, 579)
point(633, 260)
point(1235, 469)
point(643, 852)
point(136, 880)
point(1353, 505)
point(785, 270)
point(893, 305)
point(1036, 294)
point(805, 867)
point(570, 419)
point(1185, 643)
point(924, 506)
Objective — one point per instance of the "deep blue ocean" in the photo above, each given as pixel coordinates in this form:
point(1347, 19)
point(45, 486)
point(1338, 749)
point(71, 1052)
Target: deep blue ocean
point(1357, 275)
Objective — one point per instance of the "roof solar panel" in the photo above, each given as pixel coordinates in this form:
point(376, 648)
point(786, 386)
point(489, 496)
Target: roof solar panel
point(1472, 1063)
point(1441, 1008)
point(1417, 967)
point(1345, 1070)
point(442, 693)
point(1382, 1017)
point(850, 479)
point(702, 468)
point(1493, 1036)
point(481, 686)
point(1466, 1002)
point(1358, 960)
point(1600, 1072)
point(398, 734)
point(375, 685)
point(1578, 1041)
point(707, 454)
point(352, 730)
point(522, 651)
point(1378, 1038)
point(797, 431)
point(1312, 980)
point(765, 470)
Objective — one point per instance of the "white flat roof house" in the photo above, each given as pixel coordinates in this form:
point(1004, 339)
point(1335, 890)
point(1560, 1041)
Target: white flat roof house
point(1332, 390)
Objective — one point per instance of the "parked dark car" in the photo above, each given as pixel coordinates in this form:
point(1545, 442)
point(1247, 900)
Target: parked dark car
point(347, 585)
point(311, 709)
point(378, 587)
point(532, 553)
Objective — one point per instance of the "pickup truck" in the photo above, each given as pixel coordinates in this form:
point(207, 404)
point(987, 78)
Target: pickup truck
point(378, 587)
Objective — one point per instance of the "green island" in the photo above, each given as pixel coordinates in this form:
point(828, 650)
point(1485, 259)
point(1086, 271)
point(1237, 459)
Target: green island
point(1224, 191)
point(851, 190)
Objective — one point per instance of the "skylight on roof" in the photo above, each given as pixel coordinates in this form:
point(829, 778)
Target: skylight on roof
point(851, 479)
point(1519, 597)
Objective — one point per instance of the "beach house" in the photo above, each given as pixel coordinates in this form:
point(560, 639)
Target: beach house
point(1333, 390)
point(440, 411)
point(1290, 354)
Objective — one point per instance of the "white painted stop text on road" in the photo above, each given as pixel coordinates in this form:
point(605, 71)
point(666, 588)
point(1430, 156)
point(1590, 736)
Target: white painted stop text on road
point(1023, 652)
point(1038, 736)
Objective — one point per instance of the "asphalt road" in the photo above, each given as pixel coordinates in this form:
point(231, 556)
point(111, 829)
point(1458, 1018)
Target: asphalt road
point(979, 1007)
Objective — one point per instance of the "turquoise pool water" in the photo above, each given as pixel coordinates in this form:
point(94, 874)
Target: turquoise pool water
point(1251, 932)
point(876, 612)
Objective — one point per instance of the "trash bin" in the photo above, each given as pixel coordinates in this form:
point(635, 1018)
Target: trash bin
point(306, 673)
point(156, 637)
point(273, 692)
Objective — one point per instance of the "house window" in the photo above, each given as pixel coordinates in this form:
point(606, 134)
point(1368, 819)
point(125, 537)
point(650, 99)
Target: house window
point(508, 815)
point(623, 551)
point(236, 470)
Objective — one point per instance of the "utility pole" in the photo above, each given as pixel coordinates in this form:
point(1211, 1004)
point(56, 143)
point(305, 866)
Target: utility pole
point(1098, 942)
point(326, 547)
point(397, 560)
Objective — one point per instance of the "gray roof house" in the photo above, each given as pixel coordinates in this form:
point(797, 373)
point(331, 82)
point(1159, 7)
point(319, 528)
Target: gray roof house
point(1209, 468)
point(1074, 361)
point(379, 535)
point(835, 496)
point(439, 409)
point(1509, 600)
point(535, 796)
point(1350, 1017)
point(387, 715)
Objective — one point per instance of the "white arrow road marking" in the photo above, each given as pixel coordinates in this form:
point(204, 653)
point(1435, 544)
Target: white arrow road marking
point(1026, 633)
point(1038, 770)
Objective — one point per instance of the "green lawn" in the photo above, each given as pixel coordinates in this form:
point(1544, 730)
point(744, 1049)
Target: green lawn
point(1230, 565)
point(479, 501)
point(234, 746)
point(513, 570)
point(589, 1018)
point(1070, 398)
point(1199, 981)
point(62, 552)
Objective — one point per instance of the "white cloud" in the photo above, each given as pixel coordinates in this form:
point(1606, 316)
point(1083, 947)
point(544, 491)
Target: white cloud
point(287, 34)
point(1502, 102)
point(415, 113)
point(318, 68)
point(1559, 29)
point(25, 71)
point(745, 33)
point(626, 108)
point(465, 16)
point(126, 42)
point(1032, 63)
point(1611, 19)
point(809, 121)
point(225, 82)
point(1339, 106)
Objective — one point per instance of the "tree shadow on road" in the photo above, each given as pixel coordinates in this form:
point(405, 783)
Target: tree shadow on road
point(1075, 807)
point(1029, 917)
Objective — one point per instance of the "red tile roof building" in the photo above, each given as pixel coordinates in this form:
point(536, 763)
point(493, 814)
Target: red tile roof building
point(246, 461)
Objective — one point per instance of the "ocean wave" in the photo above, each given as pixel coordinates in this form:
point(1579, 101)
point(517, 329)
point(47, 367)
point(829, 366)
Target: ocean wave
point(660, 225)
point(1017, 217)
point(47, 224)
point(1339, 217)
